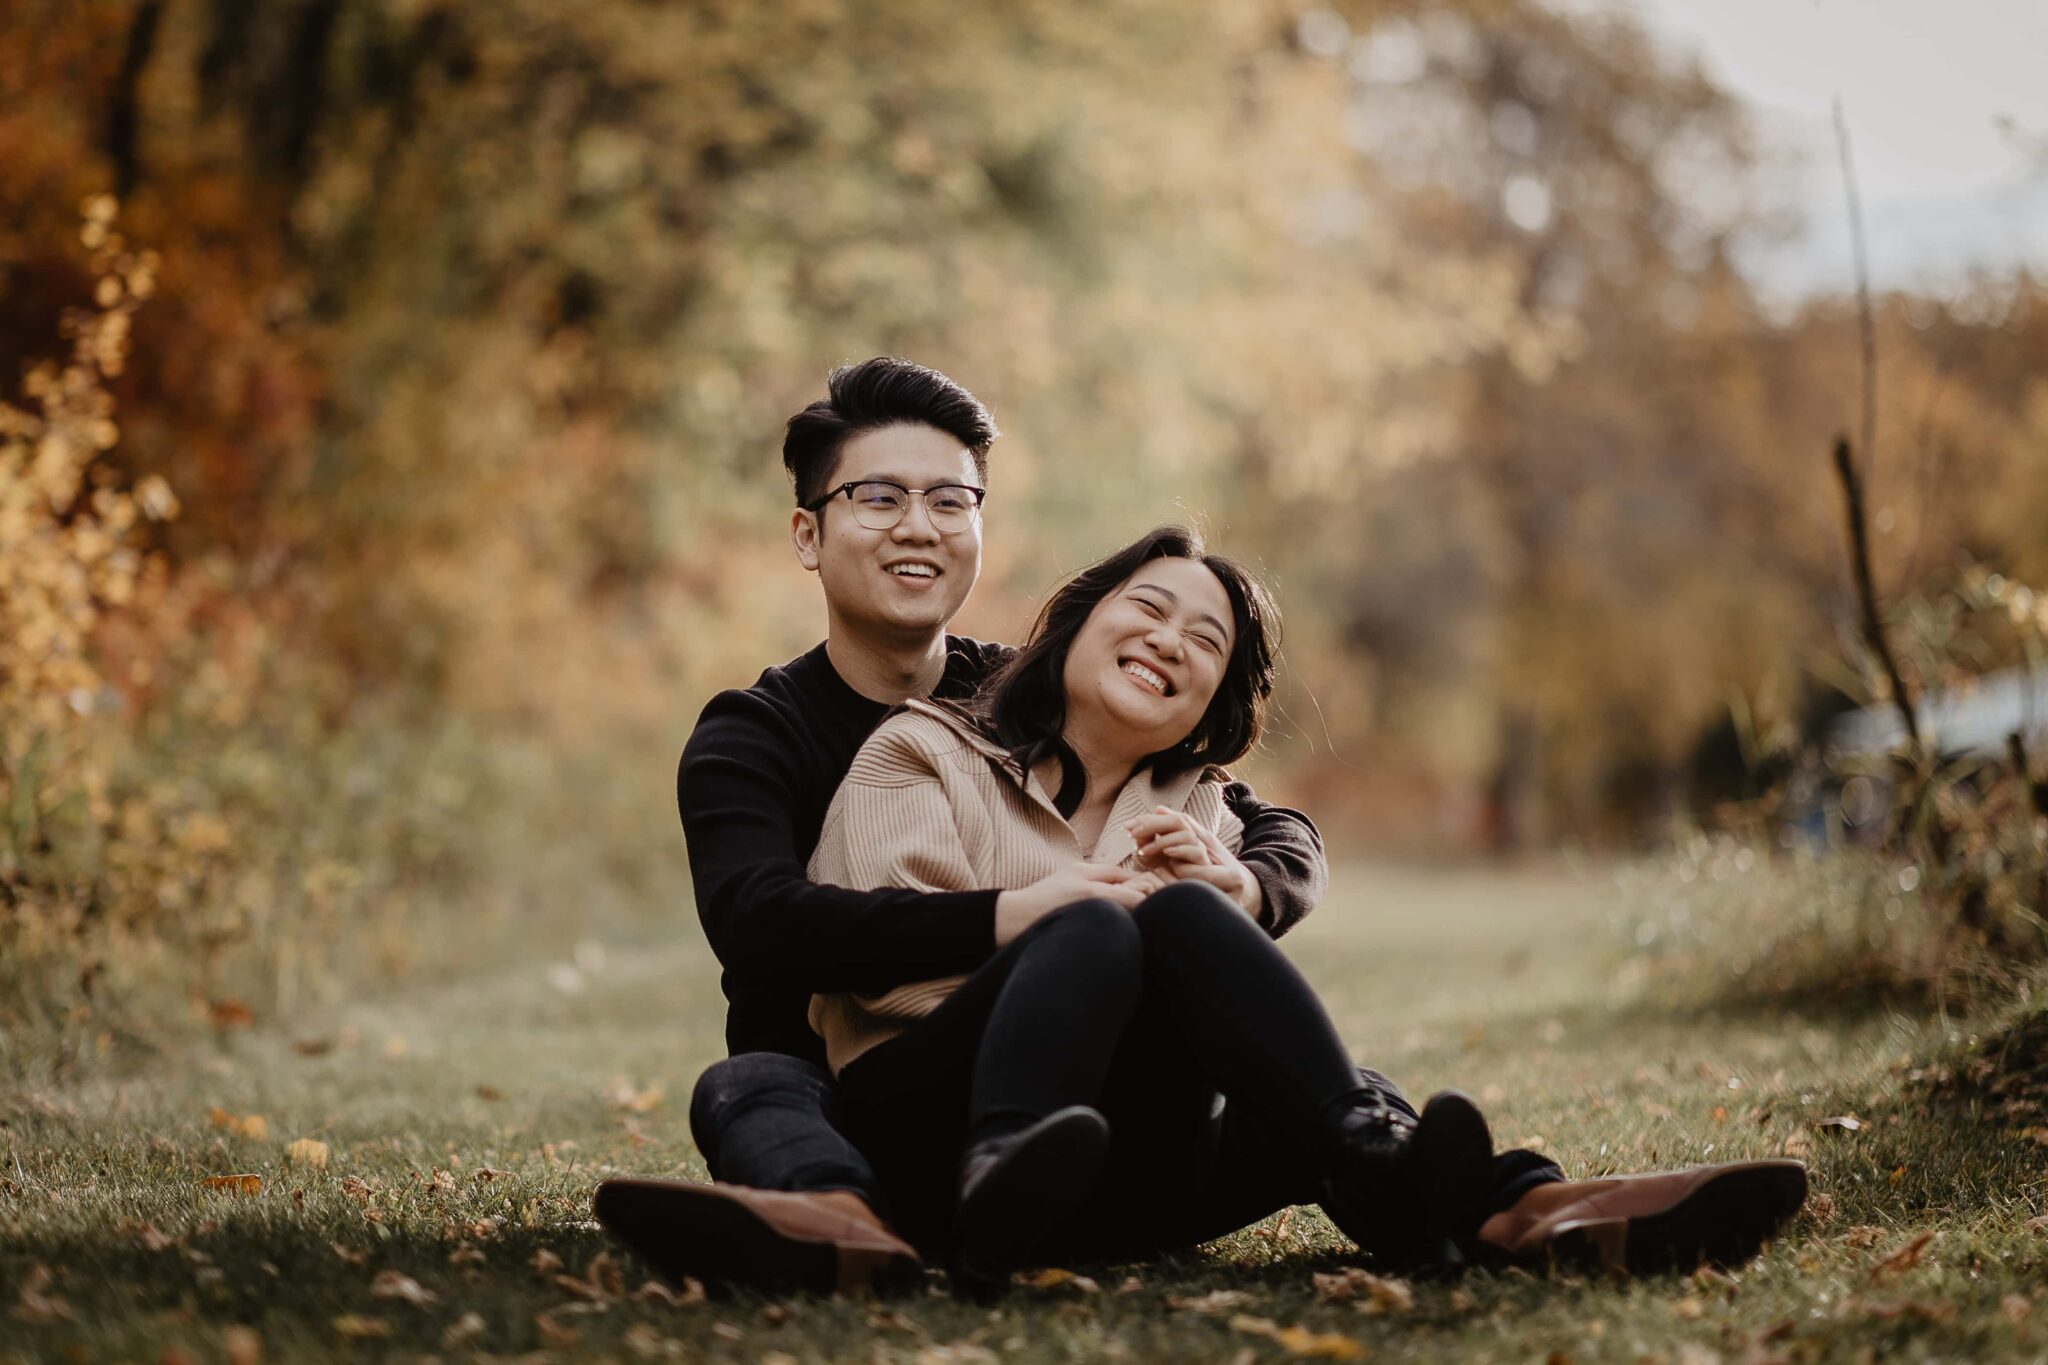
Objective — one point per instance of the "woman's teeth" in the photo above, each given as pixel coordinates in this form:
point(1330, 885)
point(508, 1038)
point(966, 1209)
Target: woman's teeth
point(1146, 676)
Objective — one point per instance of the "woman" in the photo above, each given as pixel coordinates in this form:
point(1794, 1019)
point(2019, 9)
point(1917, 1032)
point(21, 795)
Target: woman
point(990, 1103)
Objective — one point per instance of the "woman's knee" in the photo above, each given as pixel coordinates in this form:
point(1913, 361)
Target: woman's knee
point(1100, 931)
point(1179, 908)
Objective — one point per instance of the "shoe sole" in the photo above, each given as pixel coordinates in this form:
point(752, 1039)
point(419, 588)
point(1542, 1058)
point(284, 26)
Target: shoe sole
point(684, 1230)
point(1040, 1183)
point(1724, 1222)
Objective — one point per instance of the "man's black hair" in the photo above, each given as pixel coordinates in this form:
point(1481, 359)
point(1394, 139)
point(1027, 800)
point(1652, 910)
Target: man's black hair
point(883, 392)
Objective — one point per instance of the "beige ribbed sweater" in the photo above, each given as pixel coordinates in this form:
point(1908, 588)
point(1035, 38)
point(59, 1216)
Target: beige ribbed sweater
point(930, 804)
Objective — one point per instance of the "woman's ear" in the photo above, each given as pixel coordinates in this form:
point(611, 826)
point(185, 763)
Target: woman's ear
point(804, 533)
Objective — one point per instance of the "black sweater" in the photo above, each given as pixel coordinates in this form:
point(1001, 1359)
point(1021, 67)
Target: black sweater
point(755, 780)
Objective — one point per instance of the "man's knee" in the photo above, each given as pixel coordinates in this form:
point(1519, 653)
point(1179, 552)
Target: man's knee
point(750, 1080)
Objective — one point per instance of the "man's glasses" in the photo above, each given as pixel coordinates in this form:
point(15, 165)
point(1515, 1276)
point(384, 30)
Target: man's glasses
point(879, 504)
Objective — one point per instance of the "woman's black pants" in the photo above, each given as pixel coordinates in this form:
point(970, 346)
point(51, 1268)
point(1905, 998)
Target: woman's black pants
point(1153, 1016)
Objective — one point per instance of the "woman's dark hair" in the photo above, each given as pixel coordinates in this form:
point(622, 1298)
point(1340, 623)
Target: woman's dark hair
point(1023, 705)
point(883, 392)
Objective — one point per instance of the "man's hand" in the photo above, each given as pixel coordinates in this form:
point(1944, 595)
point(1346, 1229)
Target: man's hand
point(1173, 846)
point(1018, 910)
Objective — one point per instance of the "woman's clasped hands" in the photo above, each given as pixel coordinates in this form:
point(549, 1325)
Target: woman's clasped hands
point(1171, 847)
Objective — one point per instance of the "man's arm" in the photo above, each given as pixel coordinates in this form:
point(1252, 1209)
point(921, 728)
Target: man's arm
point(1285, 853)
point(764, 918)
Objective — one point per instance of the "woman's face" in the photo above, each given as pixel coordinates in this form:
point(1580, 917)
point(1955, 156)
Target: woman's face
point(1150, 656)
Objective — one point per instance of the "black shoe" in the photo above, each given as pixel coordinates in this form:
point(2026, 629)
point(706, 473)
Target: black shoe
point(1406, 1187)
point(1017, 1191)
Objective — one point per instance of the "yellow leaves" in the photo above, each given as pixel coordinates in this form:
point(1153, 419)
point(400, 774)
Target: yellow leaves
point(1300, 1341)
point(227, 1014)
point(1215, 1302)
point(310, 1153)
point(254, 1127)
point(246, 1185)
point(632, 1100)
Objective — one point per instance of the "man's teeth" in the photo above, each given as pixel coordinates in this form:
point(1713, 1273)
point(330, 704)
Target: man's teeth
point(913, 571)
point(1146, 676)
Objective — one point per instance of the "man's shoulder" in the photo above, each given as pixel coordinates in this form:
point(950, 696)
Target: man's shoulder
point(775, 703)
point(968, 664)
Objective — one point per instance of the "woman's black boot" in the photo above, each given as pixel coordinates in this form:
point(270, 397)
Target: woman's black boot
point(1403, 1187)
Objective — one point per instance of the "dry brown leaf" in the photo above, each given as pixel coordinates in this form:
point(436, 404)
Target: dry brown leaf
point(152, 1238)
point(604, 1274)
point(2037, 1224)
point(348, 1257)
point(1375, 1294)
point(1709, 1278)
point(654, 1291)
point(36, 1304)
point(775, 1314)
point(312, 1047)
point(1862, 1236)
point(466, 1255)
point(552, 1332)
point(227, 1014)
point(1821, 1208)
point(1839, 1123)
point(245, 1184)
point(1052, 1277)
point(486, 1174)
point(308, 1152)
point(634, 1100)
point(354, 1187)
point(2016, 1307)
point(1462, 1301)
point(356, 1327)
point(1216, 1301)
point(727, 1331)
point(1300, 1341)
point(1925, 1312)
point(957, 1353)
point(1690, 1307)
point(394, 1284)
point(465, 1328)
point(1904, 1259)
point(578, 1288)
point(244, 1347)
point(1131, 1285)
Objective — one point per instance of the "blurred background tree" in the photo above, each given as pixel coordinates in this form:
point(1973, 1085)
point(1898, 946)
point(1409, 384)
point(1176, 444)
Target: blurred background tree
point(474, 326)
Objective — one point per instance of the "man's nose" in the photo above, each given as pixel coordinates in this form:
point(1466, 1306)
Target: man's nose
point(916, 523)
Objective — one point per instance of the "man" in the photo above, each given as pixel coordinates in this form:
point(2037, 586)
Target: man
point(890, 472)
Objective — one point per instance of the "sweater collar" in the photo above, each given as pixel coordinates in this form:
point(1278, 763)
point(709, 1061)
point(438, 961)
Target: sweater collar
point(1139, 795)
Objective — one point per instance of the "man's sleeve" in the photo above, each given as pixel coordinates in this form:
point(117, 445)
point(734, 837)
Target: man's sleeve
point(1285, 852)
point(764, 918)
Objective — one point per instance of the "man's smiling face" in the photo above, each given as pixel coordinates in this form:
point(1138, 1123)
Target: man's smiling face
point(911, 579)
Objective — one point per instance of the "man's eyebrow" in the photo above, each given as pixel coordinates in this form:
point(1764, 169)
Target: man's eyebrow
point(1170, 595)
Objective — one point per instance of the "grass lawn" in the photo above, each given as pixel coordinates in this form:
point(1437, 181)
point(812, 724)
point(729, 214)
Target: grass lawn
point(463, 1127)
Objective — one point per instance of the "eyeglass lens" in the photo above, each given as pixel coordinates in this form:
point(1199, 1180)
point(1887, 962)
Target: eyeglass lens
point(879, 506)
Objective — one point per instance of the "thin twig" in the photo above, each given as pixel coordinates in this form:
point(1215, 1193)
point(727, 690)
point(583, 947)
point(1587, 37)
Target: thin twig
point(1866, 589)
point(1865, 318)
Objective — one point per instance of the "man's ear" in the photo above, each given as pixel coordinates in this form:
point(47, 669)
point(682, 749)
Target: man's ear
point(804, 533)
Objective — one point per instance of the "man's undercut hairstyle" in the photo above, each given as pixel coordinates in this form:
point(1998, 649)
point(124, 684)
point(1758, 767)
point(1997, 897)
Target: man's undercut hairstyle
point(883, 392)
point(1023, 705)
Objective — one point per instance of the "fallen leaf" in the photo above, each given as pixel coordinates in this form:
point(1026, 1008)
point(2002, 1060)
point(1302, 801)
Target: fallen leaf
point(354, 1187)
point(2037, 1224)
point(604, 1274)
point(313, 1047)
point(244, 1347)
point(1216, 1301)
point(1131, 1285)
point(643, 1341)
point(545, 1262)
point(394, 1284)
point(489, 1092)
point(633, 1100)
point(552, 1332)
point(234, 1184)
point(2016, 1307)
point(775, 1314)
point(486, 1174)
point(1839, 1123)
point(727, 1331)
point(395, 1047)
point(1925, 1312)
point(468, 1327)
point(1904, 1259)
point(308, 1152)
point(1690, 1307)
point(227, 1014)
point(1298, 1340)
point(654, 1291)
point(957, 1353)
point(152, 1238)
point(1821, 1208)
point(579, 1288)
point(348, 1257)
point(1862, 1236)
point(359, 1328)
point(466, 1255)
point(1054, 1278)
point(1375, 1294)
point(36, 1304)
point(1462, 1301)
point(1707, 1277)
